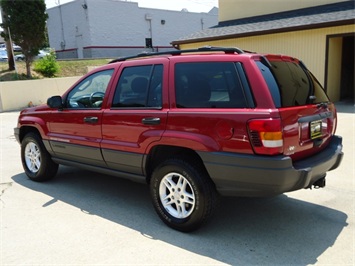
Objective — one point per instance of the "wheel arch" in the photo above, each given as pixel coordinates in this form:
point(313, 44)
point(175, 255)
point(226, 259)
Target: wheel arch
point(30, 123)
point(24, 130)
point(160, 153)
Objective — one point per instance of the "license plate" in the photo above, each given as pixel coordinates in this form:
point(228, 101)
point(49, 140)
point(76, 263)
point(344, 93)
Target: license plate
point(316, 129)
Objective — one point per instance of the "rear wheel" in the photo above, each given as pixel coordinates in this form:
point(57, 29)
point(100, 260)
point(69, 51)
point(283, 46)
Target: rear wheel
point(36, 161)
point(183, 194)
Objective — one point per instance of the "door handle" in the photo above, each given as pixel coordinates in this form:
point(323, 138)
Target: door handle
point(151, 121)
point(91, 119)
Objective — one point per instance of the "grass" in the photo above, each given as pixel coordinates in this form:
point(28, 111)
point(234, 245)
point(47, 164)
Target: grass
point(68, 68)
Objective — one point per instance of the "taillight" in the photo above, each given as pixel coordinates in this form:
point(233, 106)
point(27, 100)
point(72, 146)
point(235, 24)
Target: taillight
point(266, 136)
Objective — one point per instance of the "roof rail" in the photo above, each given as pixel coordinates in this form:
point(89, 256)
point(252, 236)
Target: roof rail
point(227, 50)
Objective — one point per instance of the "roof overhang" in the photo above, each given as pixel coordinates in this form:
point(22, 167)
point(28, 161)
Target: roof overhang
point(331, 15)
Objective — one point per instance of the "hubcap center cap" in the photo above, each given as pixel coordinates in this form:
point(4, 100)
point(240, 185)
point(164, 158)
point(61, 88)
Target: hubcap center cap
point(177, 195)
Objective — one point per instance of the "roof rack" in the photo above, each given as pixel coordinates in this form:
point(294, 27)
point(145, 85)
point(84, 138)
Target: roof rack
point(227, 50)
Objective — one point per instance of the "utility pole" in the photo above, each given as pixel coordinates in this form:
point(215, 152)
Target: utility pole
point(8, 42)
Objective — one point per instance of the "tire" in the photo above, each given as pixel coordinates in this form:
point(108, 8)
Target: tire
point(36, 160)
point(183, 194)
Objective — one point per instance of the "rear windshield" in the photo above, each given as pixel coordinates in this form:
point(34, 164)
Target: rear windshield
point(291, 85)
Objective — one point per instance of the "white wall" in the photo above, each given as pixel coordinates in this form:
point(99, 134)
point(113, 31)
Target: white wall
point(66, 23)
point(107, 24)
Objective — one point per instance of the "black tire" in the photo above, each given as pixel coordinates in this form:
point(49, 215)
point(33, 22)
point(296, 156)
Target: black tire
point(183, 194)
point(36, 160)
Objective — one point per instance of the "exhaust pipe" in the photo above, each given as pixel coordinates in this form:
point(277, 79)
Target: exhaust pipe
point(319, 183)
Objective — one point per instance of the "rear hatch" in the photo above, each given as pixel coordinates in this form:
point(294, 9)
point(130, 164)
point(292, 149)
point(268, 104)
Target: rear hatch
point(308, 118)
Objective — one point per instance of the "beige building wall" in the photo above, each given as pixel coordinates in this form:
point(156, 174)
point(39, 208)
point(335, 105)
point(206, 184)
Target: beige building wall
point(334, 66)
point(235, 9)
point(16, 95)
point(306, 45)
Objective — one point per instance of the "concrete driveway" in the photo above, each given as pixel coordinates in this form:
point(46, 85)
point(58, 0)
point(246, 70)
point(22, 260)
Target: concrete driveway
point(83, 218)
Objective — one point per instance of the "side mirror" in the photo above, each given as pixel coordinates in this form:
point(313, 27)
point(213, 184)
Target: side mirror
point(55, 102)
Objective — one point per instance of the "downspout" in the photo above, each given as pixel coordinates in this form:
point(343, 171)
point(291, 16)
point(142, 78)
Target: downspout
point(62, 43)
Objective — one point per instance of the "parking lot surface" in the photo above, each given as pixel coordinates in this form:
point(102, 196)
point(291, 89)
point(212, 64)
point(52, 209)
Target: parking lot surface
point(85, 218)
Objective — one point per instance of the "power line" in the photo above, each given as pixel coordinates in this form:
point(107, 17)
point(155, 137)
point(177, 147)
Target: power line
point(204, 2)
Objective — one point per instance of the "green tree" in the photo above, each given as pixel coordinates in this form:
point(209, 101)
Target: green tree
point(47, 66)
point(26, 20)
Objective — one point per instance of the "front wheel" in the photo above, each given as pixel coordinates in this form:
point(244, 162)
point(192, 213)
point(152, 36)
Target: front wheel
point(36, 160)
point(183, 194)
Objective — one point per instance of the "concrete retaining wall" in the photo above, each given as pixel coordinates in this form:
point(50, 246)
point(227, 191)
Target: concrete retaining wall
point(16, 95)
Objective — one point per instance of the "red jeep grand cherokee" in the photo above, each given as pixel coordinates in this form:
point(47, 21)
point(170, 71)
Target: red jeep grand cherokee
point(192, 124)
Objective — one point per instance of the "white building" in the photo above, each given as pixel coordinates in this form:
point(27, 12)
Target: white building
point(114, 28)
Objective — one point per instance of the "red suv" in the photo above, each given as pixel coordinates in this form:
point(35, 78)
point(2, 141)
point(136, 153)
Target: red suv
point(193, 124)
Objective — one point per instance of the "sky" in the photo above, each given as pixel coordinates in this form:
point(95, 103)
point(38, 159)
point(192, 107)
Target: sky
point(190, 5)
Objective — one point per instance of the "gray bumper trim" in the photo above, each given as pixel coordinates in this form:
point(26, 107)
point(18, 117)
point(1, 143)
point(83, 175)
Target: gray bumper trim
point(252, 175)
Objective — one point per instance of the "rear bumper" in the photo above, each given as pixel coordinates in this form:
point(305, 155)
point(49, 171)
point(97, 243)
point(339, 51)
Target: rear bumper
point(253, 176)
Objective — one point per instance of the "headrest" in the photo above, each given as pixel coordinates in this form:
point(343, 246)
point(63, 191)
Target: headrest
point(139, 85)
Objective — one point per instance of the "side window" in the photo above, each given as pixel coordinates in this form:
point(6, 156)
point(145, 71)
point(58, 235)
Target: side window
point(208, 85)
point(90, 92)
point(271, 82)
point(139, 86)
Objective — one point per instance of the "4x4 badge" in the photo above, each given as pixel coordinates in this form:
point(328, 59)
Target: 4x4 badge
point(291, 148)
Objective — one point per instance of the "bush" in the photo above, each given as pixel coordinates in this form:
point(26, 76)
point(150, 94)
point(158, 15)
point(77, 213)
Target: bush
point(47, 66)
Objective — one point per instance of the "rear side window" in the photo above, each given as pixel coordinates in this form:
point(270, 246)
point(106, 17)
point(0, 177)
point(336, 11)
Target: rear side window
point(139, 86)
point(290, 85)
point(208, 85)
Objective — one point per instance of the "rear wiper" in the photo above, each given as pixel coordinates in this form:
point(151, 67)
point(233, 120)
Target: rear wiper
point(312, 98)
point(323, 105)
